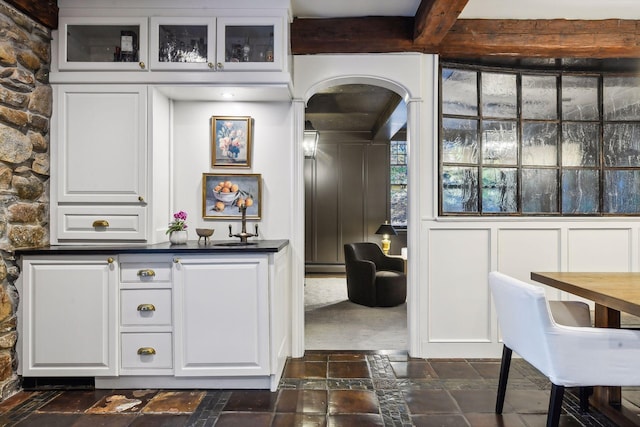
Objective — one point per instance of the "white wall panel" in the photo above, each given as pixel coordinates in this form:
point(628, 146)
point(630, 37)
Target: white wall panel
point(521, 251)
point(603, 249)
point(458, 298)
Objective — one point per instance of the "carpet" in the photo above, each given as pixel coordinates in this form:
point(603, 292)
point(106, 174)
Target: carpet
point(332, 322)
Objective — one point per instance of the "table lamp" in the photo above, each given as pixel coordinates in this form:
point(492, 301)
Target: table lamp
point(386, 230)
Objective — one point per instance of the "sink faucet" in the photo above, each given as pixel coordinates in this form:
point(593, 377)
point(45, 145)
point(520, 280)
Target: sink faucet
point(243, 235)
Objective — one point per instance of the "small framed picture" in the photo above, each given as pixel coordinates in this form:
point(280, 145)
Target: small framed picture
point(222, 193)
point(231, 139)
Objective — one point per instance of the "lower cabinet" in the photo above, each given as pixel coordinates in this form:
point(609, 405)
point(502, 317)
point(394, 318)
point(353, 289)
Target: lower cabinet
point(68, 307)
point(221, 316)
point(156, 320)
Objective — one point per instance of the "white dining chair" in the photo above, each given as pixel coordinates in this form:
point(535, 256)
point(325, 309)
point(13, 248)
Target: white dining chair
point(570, 356)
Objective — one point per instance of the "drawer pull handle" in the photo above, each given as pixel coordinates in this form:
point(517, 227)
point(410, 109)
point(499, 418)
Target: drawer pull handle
point(146, 351)
point(100, 223)
point(146, 273)
point(146, 307)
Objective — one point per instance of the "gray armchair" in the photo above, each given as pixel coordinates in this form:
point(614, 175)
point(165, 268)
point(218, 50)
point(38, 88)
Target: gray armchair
point(374, 279)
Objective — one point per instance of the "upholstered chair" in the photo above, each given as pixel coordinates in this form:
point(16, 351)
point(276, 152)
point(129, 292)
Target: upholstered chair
point(374, 279)
point(570, 356)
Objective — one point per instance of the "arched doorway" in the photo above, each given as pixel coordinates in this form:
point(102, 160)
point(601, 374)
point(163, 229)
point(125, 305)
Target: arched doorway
point(400, 73)
point(349, 193)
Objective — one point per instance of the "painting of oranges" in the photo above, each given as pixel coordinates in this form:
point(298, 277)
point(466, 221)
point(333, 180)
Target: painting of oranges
point(224, 195)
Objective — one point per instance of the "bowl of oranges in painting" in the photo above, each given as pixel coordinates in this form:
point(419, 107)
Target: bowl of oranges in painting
point(228, 193)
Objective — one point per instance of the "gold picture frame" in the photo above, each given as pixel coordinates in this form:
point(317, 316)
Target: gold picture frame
point(231, 141)
point(218, 203)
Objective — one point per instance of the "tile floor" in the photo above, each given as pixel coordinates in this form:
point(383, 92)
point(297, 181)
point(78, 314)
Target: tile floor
point(322, 389)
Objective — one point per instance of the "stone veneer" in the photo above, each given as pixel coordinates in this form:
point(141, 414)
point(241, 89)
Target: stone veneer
point(25, 111)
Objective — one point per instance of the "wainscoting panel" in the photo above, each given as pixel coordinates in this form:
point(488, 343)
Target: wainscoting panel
point(523, 250)
point(602, 249)
point(458, 297)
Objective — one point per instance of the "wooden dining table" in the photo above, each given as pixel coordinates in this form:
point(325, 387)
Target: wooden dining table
point(612, 293)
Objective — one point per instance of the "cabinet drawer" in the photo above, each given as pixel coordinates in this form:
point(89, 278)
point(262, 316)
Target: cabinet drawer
point(101, 223)
point(144, 272)
point(145, 307)
point(135, 345)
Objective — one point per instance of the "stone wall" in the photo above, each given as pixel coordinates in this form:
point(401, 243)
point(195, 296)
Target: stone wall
point(25, 111)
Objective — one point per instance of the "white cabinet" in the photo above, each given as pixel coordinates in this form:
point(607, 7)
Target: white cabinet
point(146, 315)
point(68, 323)
point(251, 44)
point(183, 43)
point(222, 315)
point(100, 161)
point(103, 43)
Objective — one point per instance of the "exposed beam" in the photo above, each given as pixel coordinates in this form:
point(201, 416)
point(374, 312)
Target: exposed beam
point(352, 35)
point(43, 11)
point(557, 38)
point(433, 20)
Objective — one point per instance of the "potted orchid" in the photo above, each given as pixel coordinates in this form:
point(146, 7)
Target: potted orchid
point(177, 229)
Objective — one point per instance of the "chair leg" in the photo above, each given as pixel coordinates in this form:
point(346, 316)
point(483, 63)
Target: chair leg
point(584, 393)
point(504, 376)
point(555, 405)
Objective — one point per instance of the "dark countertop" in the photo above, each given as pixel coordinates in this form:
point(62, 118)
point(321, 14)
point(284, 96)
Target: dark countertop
point(191, 247)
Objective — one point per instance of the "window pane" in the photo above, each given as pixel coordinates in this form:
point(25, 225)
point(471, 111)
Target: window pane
point(460, 189)
point(459, 141)
point(539, 100)
point(580, 98)
point(580, 142)
point(459, 92)
point(499, 95)
point(580, 189)
point(621, 98)
point(499, 190)
point(398, 205)
point(622, 144)
point(621, 191)
point(499, 142)
point(539, 190)
point(540, 144)
point(398, 175)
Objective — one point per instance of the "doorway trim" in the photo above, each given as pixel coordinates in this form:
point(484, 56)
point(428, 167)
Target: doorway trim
point(342, 76)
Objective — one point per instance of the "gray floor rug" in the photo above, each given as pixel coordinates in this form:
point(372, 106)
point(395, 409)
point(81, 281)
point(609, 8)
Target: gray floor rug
point(332, 322)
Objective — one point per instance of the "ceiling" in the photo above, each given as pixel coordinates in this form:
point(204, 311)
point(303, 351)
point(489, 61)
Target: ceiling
point(360, 108)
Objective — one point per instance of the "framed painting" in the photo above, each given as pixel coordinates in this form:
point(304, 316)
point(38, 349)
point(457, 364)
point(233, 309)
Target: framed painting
point(222, 192)
point(231, 139)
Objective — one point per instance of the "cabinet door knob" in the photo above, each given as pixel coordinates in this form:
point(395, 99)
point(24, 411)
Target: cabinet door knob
point(176, 260)
point(146, 351)
point(110, 260)
point(141, 64)
point(146, 273)
point(146, 307)
point(140, 199)
point(100, 223)
point(220, 66)
point(210, 64)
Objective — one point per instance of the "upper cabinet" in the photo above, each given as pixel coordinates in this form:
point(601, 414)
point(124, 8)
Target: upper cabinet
point(164, 43)
point(183, 43)
point(246, 44)
point(98, 43)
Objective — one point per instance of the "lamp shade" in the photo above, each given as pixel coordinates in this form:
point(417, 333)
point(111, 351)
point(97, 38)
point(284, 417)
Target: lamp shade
point(387, 228)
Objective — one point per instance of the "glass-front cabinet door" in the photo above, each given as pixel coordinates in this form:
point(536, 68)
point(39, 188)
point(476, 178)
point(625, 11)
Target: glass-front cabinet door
point(250, 44)
point(103, 43)
point(182, 43)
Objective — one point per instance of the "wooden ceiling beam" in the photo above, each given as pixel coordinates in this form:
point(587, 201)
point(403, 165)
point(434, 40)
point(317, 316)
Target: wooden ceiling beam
point(433, 20)
point(42, 11)
point(468, 38)
point(352, 35)
point(557, 38)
